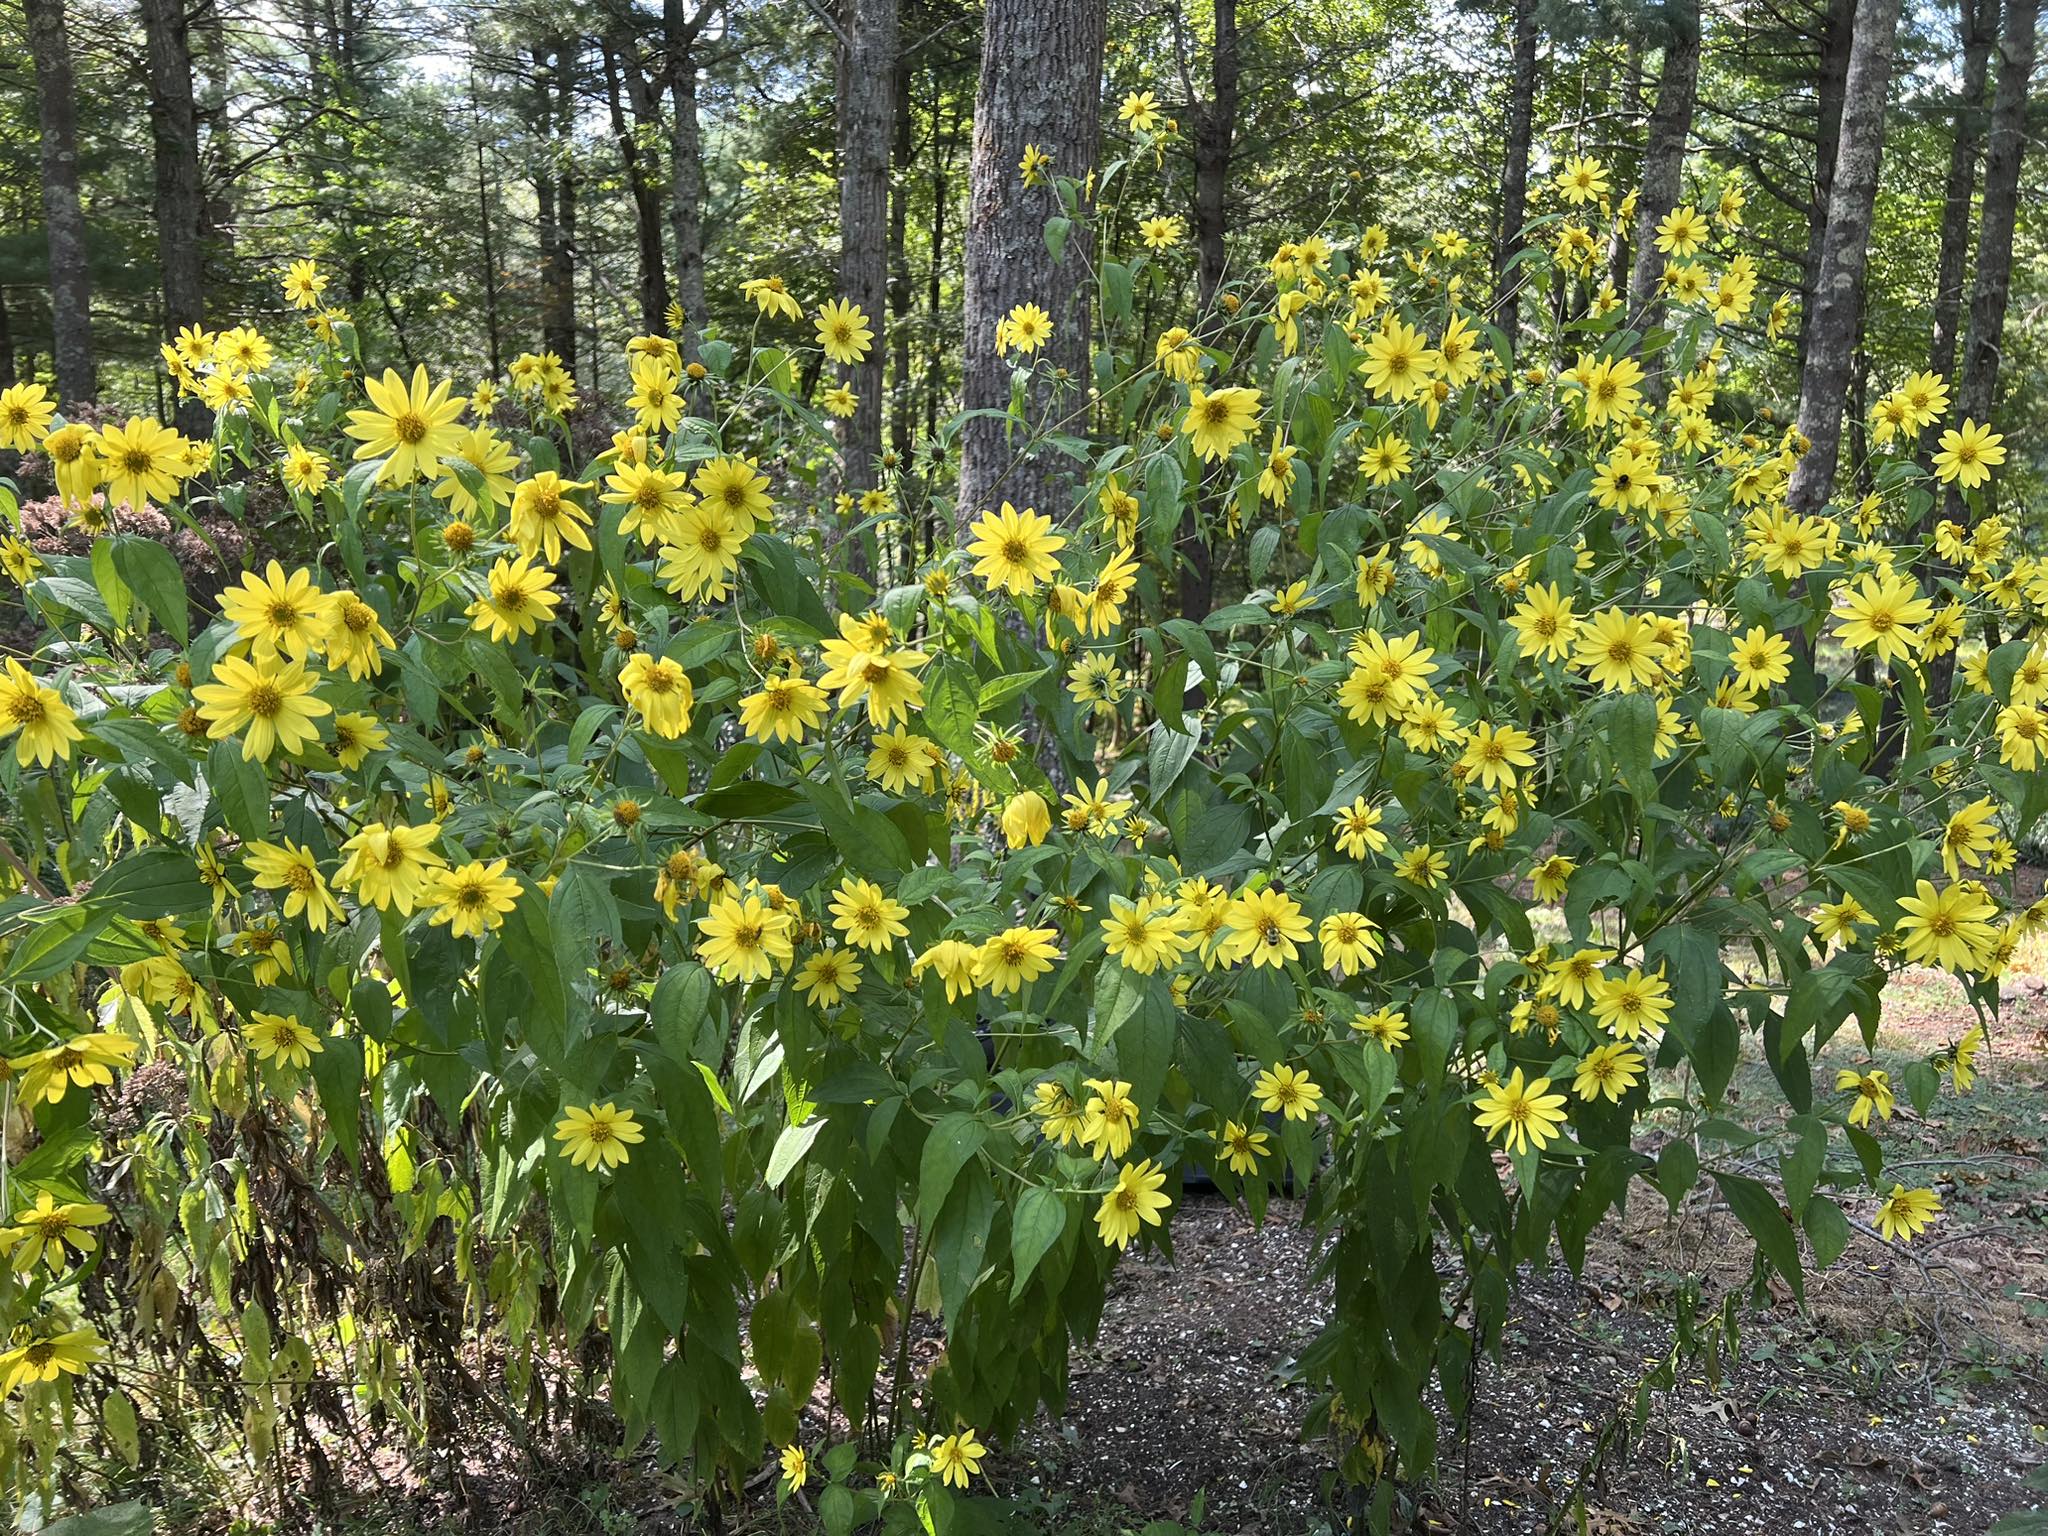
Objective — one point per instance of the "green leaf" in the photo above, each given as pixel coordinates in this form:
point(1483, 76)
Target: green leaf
point(835, 1509)
point(355, 485)
point(790, 1148)
point(338, 1075)
point(951, 706)
point(154, 882)
point(960, 1239)
point(681, 1000)
point(998, 691)
point(1144, 1045)
point(1169, 695)
point(55, 943)
point(1036, 1222)
point(151, 573)
point(529, 939)
point(1170, 753)
point(130, 1519)
point(952, 1144)
point(1264, 543)
point(240, 789)
point(1631, 729)
point(1827, 1229)
point(113, 591)
point(1757, 1209)
point(867, 839)
point(1678, 1170)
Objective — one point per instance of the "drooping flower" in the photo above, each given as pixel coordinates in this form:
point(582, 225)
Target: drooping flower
point(1133, 1200)
point(44, 722)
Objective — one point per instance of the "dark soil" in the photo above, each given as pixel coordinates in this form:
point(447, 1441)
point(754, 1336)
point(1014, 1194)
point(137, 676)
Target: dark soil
point(1906, 1394)
point(1187, 1392)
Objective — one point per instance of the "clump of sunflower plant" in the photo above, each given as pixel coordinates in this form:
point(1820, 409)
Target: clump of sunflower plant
point(620, 902)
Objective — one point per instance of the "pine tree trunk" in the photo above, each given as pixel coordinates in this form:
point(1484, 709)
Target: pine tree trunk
point(1514, 175)
point(902, 388)
point(686, 166)
point(1625, 167)
point(1215, 141)
point(1838, 303)
point(1838, 29)
point(174, 132)
point(63, 218)
point(1978, 20)
point(626, 84)
point(493, 329)
point(935, 334)
point(217, 124)
point(1040, 85)
point(2004, 148)
point(1663, 178)
point(866, 90)
point(554, 192)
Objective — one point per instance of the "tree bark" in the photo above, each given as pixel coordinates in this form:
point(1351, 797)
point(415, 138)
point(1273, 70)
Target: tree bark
point(681, 29)
point(1978, 21)
point(1514, 174)
point(902, 388)
point(1831, 78)
point(63, 217)
point(492, 328)
point(2004, 148)
point(174, 134)
point(1625, 166)
point(866, 61)
point(1041, 85)
point(1215, 142)
point(621, 62)
point(1838, 303)
point(1663, 178)
point(935, 333)
point(555, 198)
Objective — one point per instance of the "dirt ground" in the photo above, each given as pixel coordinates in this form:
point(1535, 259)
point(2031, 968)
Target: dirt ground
point(1908, 1396)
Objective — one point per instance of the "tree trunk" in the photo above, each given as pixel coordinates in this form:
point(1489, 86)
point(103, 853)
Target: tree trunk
point(63, 218)
point(1978, 20)
point(902, 390)
point(1040, 85)
point(680, 31)
point(1215, 141)
point(492, 327)
point(1838, 303)
point(218, 152)
point(1663, 179)
point(6, 342)
point(554, 192)
point(174, 133)
point(621, 61)
point(2005, 145)
point(866, 90)
point(1831, 77)
point(1514, 174)
point(935, 333)
point(2004, 149)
